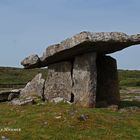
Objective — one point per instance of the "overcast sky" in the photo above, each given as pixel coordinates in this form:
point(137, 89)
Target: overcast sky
point(29, 26)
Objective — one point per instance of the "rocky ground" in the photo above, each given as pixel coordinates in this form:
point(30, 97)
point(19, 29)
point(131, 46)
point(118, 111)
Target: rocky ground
point(130, 94)
point(54, 121)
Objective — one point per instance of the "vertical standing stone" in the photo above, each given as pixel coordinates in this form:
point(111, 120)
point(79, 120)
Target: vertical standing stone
point(59, 81)
point(107, 80)
point(84, 79)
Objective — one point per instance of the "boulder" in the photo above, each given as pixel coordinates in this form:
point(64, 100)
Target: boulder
point(34, 88)
point(31, 61)
point(5, 95)
point(84, 42)
point(59, 81)
point(84, 80)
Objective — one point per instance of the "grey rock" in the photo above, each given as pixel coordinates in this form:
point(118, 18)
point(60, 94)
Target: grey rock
point(127, 99)
point(59, 81)
point(102, 42)
point(113, 107)
point(58, 117)
point(130, 109)
point(83, 117)
point(84, 80)
point(31, 61)
point(4, 138)
point(45, 123)
point(21, 102)
point(41, 103)
point(57, 100)
point(107, 80)
point(5, 95)
point(137, 98)
point(135, 38)
point(12, 96)
point(68, 102)
point(35, 88)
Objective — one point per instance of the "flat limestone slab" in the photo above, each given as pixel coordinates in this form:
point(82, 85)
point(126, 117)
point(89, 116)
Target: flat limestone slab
point(107, 82)
point(59, 81)
point(85, 80)
point(84, 42)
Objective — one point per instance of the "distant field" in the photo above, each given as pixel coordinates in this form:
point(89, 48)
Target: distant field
point(17, 77)
point(129, 78)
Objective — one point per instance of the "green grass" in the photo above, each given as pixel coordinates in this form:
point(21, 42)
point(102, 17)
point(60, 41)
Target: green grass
point(17, 77)
point(129, 78)
point(40, 123)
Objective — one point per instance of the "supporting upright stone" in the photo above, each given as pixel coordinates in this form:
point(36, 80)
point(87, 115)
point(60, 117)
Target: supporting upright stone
point(107, 81)
point(84, 80)
point(59, 81)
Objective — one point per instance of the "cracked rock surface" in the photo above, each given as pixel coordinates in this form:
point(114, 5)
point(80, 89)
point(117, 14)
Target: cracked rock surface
point(84, 42)
point(34, 88)
point(59, 81)
point(85, 79)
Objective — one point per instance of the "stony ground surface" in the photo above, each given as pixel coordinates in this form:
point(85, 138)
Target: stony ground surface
point(130, 94)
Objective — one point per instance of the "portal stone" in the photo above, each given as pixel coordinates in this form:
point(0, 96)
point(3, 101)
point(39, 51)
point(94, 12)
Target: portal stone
point(107, 81)
point(84, 80)
point(59, 81)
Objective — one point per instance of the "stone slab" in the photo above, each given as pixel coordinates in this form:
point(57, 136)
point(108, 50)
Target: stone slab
point(59, 81)
point(84, 80)
point(107, 81)
point(84, 42)
point(34, 88)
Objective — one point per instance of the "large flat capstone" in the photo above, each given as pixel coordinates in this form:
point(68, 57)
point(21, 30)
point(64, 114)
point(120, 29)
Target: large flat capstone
point(84, 42)
point(102, 42)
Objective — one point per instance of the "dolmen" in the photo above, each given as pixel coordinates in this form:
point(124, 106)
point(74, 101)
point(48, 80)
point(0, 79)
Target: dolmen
point(80, 70)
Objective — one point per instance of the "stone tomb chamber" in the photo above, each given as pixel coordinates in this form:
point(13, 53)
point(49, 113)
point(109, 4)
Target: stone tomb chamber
point(80, 69)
